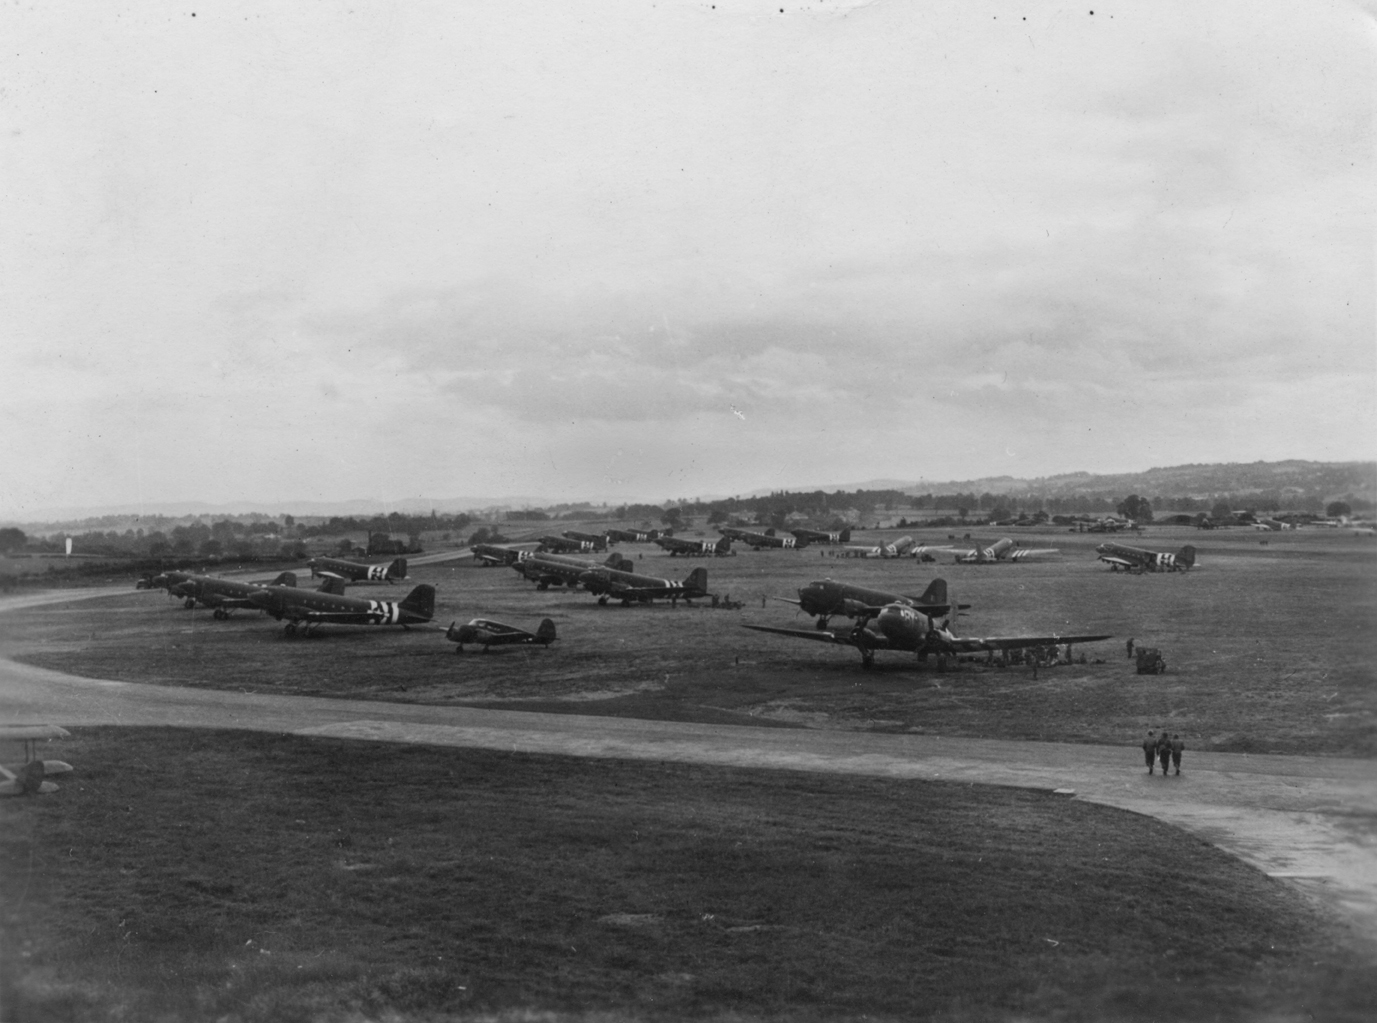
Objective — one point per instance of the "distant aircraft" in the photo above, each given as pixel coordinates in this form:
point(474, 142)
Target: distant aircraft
point(223, 595)
point(488, 633)
point(1136, 559)
point(759, 540)
point(818, 536)
point(355, 572)
point(904, 628)
point(490, 554)
point(627, 587)
point(564, 545)
point(631, 535)
point(306, 609)
point(904, 547)
point(598, 540)
point(1273, 524)
point(1001, 550)
point(826, 598)
point(546, 570)
point(695, 548)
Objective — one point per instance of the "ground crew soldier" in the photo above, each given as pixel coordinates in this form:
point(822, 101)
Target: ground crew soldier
point(1150, 749)
point(1176, 747)
point(1129, 647)
point(1164, 751)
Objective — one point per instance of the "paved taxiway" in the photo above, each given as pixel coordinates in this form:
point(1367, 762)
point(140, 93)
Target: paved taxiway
point(1310, 820)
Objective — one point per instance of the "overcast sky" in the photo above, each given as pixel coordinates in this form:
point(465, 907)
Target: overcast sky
point(318, 251)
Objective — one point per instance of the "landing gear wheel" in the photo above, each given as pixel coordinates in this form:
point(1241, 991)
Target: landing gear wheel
point(602, 601)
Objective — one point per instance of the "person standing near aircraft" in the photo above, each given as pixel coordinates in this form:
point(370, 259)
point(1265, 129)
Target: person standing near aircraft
point(1177, 747)
point(1150, 749)
point(1129, 647)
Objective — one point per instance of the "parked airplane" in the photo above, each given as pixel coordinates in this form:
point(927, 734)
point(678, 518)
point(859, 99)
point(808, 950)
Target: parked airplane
point(904, 547)
point(631, 535)
point(826, 598)
point(759, 540)
point(488, 633)
point(1136, 559)
point(490, 554)
point(308, 608)
point(355, 572)
point(904, 628)
point(611, 584)
point(546, 570)
point(29, 778)
point(818, 536)
point(1274, 525)
point(224, 595)
point(1001, 550)
point(695, 548)
point(598, 540)
point(564, 545)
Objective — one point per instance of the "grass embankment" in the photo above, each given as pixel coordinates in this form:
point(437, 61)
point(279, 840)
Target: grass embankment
point(234, 876)
point(1270, 648)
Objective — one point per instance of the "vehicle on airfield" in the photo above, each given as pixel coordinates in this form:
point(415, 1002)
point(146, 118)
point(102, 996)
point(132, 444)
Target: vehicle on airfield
point(29, 778)
point(904, 628)
point(819, 536)
point(1149, 661)
point(695, 548)
point(827, 597)
point(759, 540)
point(1137, 559)
point(546, 570)
point(1005, 550)
point(631, 535)
point(629, 587)
point(352, 571)
point(486, 632)
point(307, 609)
point(223, 595)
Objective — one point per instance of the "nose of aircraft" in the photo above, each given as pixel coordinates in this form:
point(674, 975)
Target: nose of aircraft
point(811, 596)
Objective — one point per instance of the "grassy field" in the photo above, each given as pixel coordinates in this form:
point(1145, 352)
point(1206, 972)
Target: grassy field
point(232, 876)
point(1270, 643)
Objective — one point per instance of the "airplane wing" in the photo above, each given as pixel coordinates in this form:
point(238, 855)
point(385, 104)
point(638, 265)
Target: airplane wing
point(972, 644)
point(819, 635)
point(1023, 553)
point(789, 600)
point(1114, 559)
point(958, 552)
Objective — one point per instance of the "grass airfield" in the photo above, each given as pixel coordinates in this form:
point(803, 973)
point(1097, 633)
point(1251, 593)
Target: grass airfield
point(189, 875)
point(1270, 647)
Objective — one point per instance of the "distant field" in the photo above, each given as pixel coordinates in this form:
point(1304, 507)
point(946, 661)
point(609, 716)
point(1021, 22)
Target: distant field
point(186, 875)
point(1270, 643)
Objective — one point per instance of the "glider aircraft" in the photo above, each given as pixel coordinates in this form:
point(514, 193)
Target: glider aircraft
point(488, 633)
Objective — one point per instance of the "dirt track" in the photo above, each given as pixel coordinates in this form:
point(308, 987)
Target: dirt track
point(1310, 820)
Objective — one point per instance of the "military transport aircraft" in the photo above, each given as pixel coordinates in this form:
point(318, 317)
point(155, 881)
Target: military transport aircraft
point(904, 547)
point(598, 540)
point(695, 548)
point(759, 540)
point(611, 584)
point(1005, 550)
point(631, 535)
point(826, 598)
point(818, 536)
point(546, 570)
point(306, 609)
point(355, 572)
point(564, 545)
point(1136, 559)
point(223, 595)
point(489, 554)
point(904, 628)
point(487, 632)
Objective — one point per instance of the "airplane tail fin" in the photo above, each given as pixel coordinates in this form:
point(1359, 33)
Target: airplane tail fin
point(624, 565)
point(420, 601)
point(845, 535)
point(545, 633)
point(1187, 556)
point(724, 545)
point(285, 579)
point(697, 580)
point(397, 570)
point(614, 560)
point(333, 584)
point(936, 593)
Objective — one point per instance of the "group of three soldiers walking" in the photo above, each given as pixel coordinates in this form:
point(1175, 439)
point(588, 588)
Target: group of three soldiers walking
point(1166, 748)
